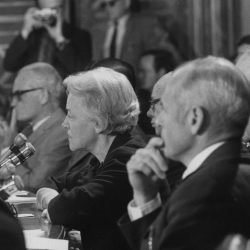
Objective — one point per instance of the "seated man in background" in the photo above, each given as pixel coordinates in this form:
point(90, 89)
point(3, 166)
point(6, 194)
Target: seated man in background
point(102, 110)
point(152, 66)
point(175, 169)
point(56, 42)
point(205, 109)
point(36, 96)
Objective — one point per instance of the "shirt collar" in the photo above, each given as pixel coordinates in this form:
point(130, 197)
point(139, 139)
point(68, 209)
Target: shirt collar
point(199, 159)
point(38, 124)
point(121, 21)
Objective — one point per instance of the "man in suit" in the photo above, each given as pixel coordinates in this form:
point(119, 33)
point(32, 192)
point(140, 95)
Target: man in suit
point(36, 96)
point(153, 65)
point(127, 35)
point(58, 43)
point(205, 109)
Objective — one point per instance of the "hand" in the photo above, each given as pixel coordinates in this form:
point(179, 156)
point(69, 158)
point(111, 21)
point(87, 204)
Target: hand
point(30, 22)
point(45, 215)
point(146, 169)
point(6, 134)
point(7, 171)
point(75, 237)
point(44, 196)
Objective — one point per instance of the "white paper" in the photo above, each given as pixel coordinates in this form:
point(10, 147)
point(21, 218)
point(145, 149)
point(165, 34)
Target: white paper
point(33, 233)
point(15, 199)
point(45, 243)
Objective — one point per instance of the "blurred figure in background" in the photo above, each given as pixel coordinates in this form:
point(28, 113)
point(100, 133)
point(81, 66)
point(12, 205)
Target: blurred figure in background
point(46, 37)
point(152, 66)
point(175, 168)
point(241, 47)
point(36, 99)
point(128, 34)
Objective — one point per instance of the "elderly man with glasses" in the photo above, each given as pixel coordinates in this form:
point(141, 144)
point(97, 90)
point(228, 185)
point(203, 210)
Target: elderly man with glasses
point(37, 92)
point(46, 37)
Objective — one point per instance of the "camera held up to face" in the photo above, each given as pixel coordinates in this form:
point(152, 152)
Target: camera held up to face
point(46, 16)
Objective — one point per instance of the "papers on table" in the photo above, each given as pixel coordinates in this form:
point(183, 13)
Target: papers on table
point(21, 197)
point(34, 241)
point(17, 199)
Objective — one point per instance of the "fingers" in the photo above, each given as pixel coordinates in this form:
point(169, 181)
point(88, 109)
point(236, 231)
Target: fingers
point(149, 162)
point(7, 170)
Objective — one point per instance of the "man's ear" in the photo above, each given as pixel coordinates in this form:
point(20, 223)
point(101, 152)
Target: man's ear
point(44, 96)
point(196, 120)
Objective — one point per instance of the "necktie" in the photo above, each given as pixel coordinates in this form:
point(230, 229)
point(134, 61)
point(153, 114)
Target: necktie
point(47, 49)
point(113, 42)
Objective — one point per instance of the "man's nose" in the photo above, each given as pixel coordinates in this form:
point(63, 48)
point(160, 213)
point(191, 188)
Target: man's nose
point(13, 102)
point(150, 113)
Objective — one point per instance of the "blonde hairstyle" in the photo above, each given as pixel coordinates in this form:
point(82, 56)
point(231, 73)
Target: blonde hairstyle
point(108, 96)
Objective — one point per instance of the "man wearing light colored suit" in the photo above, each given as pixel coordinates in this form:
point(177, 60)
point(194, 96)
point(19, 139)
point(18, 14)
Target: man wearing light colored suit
point(135, 34)
point(36, 98)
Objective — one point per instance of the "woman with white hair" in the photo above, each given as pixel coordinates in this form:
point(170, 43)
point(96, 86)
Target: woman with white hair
point(102, 110)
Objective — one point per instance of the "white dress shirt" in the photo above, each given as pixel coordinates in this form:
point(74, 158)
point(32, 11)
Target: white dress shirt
point(121, 29)
point(136, 212)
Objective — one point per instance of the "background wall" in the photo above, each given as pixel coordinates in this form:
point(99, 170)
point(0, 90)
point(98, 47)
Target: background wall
point(200, 27)
point(245, 17)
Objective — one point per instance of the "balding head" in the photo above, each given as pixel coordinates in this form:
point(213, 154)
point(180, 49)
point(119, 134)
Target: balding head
point(157, 92)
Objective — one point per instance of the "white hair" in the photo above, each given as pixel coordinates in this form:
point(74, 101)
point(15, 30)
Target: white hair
point(217, 86)
point(107, 95)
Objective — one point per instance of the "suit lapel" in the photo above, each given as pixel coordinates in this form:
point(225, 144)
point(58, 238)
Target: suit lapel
point(45, 126)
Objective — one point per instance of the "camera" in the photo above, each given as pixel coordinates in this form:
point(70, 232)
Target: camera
point(46, 16)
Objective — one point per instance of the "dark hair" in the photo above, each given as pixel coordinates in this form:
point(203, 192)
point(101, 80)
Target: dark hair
point(135, 6)
point(244, 40)
point(118, 66)
point(162, 59)
point(5, 100)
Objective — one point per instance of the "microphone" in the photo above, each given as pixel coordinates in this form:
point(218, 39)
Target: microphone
point(19, 141)
point(19, 155)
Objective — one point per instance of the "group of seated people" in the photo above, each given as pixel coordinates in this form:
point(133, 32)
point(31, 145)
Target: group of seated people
point(188, 188)
point(95, 171)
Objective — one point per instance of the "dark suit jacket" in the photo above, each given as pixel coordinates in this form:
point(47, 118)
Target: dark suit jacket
point(11, 235)
point(52, 153)
point(73, 58)
point(208, 205)
point(92, 199)
point(142, 33)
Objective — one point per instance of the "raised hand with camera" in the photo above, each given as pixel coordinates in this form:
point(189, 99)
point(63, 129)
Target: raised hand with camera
point(30, 22)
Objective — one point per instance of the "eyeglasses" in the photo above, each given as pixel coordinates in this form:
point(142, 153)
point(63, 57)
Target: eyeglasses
point(153, 102)
point(17, 94)
point(108, 4)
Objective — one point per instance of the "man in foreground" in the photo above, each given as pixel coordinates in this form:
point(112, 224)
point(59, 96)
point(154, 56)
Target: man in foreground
point(206, 108)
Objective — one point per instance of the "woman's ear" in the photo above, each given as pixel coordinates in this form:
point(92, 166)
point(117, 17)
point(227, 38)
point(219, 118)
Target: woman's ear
point(98, 123)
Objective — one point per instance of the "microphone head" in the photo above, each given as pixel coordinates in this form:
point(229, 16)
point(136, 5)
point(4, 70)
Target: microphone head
point(20, 140)
point(31, 148)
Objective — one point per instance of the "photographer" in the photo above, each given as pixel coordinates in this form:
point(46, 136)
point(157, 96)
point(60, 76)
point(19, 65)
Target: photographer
point(45, 37)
